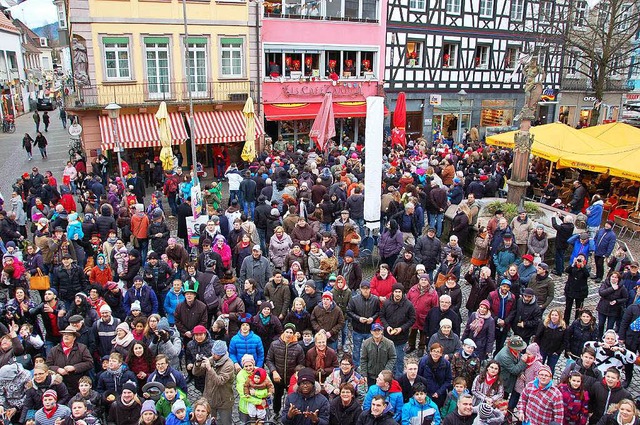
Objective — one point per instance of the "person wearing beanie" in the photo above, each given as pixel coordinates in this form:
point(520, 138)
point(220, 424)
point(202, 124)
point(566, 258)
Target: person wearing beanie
point(127, 408)
point(307, 399)
point(260, 387)
point(256, 266)
point(501, 303)
point(219, 374)
point(198, 348)
point(352, 272)
point(488, 415)
point(424, 298)
point(179, 414)
point(328, 316)
point(141, 292)
point(246, 344)
point(528, 315)
point(398, 315)
point(541, 401)
point(51, 412)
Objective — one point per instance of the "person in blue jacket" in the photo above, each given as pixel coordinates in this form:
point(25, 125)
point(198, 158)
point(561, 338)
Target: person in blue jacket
point(390, 389)
point(245, 342)
point(604, 241)
point(143, 293)
point(582, 244)
point(594, 215)
point(174, 297)
point(437, 371)
point(420, 407)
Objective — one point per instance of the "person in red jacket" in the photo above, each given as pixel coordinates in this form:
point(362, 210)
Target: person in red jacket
point(382, 283)
point(502, 302)
point(423, 297)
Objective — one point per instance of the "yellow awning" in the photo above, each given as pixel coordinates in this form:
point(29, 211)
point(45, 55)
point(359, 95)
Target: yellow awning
point(553, 141)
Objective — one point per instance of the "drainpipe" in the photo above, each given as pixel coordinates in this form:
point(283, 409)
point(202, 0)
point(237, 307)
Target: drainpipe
point(259, 59)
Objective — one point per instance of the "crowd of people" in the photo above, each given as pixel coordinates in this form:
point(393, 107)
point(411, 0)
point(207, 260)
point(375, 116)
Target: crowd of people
point(265, 312)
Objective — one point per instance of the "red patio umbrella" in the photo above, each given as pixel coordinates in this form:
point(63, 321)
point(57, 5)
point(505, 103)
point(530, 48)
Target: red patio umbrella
point(324, 126)
point(398, 135)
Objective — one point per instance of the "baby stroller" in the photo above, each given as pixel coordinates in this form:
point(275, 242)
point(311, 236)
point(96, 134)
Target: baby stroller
point(200, 170)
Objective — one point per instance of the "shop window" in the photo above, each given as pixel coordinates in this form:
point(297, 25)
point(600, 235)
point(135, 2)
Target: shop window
point(413, 56)
point(482, 57)
point(511, 58)
point(367, 64)
point(449, 55)
point(334, 64)
point(312, 64)
point(349, 65)
point(293, 65)
point(496, 113)
point(274, 64)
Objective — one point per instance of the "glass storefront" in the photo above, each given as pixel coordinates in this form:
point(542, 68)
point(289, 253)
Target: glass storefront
point(566, 115)
point(497, 113)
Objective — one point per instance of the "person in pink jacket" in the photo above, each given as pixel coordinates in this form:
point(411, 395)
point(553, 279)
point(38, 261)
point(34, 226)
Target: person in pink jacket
point(220, 246)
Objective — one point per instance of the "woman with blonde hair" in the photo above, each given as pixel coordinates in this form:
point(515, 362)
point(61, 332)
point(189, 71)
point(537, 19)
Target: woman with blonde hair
point(201, 413)
point(279, 246)
point(299, 316)
point(550, 337)
point(460, 224)
point(623, 413)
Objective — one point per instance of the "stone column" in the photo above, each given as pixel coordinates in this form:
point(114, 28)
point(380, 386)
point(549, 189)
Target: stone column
point(520, 166)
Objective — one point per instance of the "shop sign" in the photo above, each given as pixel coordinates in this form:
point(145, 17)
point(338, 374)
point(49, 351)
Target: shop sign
point(341, 90)
point(435, 100)
point(589, 98)
point(632, 96)
point(75, 130)
point(549, 95)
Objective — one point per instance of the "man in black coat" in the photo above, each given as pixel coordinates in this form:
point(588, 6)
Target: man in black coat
point(378, 414)
point(8, 228)
point(184, 211)
point(248, 194)
point(463, 415)
point(138, 186)
point(68, 279)
point(262, 211)
point(564, 230)
point(443, 311)
point(526, 317)
point(605, 393)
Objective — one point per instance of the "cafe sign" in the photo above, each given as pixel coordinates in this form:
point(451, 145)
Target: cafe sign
point(307, 90)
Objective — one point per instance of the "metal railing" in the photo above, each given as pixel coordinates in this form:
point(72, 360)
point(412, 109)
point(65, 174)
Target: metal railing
point(140, 94)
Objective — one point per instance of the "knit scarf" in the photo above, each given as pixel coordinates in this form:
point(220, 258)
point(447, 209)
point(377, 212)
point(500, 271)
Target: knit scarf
point(227, 302)
point(320, 356)
point(125, 341)
point(265, 319)
point(49, 413)
point(478, 322)
point(117, 374)
point(553, 325)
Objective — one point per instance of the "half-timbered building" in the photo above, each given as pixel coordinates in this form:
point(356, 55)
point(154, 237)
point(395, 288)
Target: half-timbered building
point(438, 48)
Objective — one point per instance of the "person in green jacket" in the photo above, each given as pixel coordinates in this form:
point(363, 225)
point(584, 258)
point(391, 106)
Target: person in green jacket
point(512, 364)
point(248, 366)
point(170, 395)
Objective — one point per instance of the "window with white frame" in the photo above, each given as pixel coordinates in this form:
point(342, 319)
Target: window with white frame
point(624, 19)
point(482, 57)
point(615, 65)
point(449, 55)
point(486, 8)
point(413, 56)
point(157, 66)
point(572, 63)
point(603, 15)
point(517, 10)
point(580, 14)
point(117, 58)
point(62, 16)
point(511, 58)
point(231, 57)
point(545, 11)
point(418, 5)
point(453, 6)
point(197, 64)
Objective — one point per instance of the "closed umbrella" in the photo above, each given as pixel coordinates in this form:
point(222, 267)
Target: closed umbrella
point(249, 149)
point(324, 126)
point(398, 134)
point(164, 131)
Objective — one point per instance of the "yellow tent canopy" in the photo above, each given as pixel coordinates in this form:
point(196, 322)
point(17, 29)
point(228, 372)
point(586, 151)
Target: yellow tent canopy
point(616, 134)
point(553, 141)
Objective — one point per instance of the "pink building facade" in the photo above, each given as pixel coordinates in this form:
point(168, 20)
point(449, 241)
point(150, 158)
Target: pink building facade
point(311, 47)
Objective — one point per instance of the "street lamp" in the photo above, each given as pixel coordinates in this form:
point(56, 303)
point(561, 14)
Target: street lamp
point(462, 95)
point(113, 109)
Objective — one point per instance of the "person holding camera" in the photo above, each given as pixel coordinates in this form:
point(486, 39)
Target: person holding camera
point(576, 289)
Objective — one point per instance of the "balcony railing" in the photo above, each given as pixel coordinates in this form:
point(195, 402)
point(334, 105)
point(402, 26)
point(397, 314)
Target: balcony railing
point(142, 94)
point(315, 10)
point(584, 84)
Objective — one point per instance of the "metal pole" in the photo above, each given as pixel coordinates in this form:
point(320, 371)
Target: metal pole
point(117, 139)
point(459, 122)
point(192, 124)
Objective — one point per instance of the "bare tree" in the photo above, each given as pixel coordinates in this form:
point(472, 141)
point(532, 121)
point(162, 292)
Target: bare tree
point(599, 43)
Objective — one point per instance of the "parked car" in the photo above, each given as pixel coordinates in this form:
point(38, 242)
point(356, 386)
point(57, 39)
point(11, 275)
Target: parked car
point(46, 104)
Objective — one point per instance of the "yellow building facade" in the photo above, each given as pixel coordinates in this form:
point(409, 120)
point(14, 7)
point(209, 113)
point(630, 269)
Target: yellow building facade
point(132, 52)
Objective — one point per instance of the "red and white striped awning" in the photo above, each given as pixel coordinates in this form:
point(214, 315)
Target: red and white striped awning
point(140, 131)
point(222, 127)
